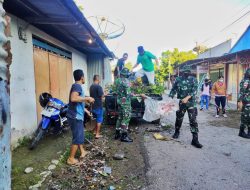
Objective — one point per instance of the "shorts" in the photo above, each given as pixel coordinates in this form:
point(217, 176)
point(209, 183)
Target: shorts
point(98, 114)
point(77, 131)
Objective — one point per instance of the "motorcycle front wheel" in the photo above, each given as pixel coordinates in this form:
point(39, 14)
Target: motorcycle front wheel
point(38, 136)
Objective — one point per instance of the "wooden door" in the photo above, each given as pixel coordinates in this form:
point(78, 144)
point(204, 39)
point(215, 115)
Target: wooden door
point(42, 78)
point(69, 77)
point(63, 85)
point(53, 74)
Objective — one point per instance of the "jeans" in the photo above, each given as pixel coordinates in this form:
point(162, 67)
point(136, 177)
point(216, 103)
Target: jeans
point(205, 98)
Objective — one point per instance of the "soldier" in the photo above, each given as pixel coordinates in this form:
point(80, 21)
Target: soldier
point(186, 88)
point(124, 106)
point(244, 105)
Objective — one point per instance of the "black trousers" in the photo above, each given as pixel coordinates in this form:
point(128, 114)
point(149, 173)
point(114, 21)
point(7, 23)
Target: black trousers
point(220, 101)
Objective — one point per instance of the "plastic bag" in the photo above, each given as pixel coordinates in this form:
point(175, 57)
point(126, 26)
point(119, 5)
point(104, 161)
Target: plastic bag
point(155, 109)
point(150, 113)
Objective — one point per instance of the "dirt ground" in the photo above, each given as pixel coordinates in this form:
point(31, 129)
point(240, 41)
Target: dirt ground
point(223, 162)
point(128, 173)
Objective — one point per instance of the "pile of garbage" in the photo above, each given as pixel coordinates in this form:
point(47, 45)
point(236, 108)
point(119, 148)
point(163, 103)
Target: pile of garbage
point(91, 173)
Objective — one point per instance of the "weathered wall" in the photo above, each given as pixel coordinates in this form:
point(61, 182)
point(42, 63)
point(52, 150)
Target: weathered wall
point(107, 72)
point(101, 66)
point(22, 88)
point(5, 153)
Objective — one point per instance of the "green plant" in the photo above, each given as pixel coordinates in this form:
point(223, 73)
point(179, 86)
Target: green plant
point(89, 136)
point(24, 141)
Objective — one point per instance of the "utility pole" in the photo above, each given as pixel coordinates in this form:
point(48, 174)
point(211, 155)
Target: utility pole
point(5, 129)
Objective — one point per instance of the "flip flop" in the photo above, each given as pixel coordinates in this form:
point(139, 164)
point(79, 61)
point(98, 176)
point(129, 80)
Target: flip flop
point(100, 136)
point(77, 163)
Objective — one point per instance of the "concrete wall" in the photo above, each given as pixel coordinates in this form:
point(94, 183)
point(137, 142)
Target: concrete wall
point(22, 83)
point(5, 153)
point(217, 51)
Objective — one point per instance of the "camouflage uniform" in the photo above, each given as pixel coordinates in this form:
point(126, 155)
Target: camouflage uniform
point(244, 97)
point(186, 87)
point(124, 104)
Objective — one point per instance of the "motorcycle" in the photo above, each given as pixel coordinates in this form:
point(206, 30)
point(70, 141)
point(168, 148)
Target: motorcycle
point(53, 118)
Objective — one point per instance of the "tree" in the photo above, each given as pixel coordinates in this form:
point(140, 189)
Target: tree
point(169, 60)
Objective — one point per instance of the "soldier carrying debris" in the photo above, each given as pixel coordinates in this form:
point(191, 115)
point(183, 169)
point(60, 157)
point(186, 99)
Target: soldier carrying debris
point(124, 106)
point(186, 88)
point(244, 105)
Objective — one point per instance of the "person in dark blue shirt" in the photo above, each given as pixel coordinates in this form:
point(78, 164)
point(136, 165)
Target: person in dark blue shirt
point(96, 92)
point(75, 116)
point(120, 65)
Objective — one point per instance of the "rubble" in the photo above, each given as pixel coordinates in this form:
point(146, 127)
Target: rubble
point(95, 170)
point(51, 167)
point(55, 162)
point(28, 170)
point(119, 156)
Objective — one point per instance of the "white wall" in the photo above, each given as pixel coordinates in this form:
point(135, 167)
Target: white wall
point(80, 62)
point(217, 51)
point(22, 82)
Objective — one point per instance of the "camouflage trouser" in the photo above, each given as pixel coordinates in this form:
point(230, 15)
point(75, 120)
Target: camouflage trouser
point(123, 118)
point(245, 118)
point(192, 114)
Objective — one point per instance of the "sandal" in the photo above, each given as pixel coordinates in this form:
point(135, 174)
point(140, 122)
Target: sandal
point(75, 163)
point(98, 137)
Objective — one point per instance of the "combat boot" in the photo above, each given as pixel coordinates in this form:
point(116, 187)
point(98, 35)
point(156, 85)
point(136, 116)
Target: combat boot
point(125, 138)
point(248, 132)
point(195, 141)
point(243, 134)
point(117, 134)
point(176, 134)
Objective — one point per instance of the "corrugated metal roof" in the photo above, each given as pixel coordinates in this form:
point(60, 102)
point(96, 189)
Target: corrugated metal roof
point(61, 19)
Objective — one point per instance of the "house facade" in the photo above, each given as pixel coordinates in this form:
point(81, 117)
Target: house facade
point(47, 46)
point(232, 64)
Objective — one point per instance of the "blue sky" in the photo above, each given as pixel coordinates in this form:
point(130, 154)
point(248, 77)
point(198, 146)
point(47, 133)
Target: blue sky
point(160, 25)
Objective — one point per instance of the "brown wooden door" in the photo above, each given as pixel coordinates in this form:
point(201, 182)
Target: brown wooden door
point(42, 79)
point(53, 74)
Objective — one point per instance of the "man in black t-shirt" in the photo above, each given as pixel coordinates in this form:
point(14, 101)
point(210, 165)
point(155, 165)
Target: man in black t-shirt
point(96, 92)
point(120, 65)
